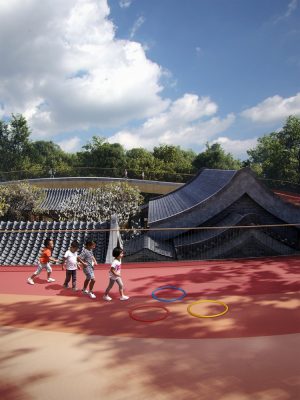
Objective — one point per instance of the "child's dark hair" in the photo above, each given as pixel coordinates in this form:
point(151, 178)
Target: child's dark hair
point(47, 241)
point(117, 251)
point(75, 244)
point(90, 242)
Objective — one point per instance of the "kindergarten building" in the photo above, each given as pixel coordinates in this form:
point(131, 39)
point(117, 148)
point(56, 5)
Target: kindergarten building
point(218, 214)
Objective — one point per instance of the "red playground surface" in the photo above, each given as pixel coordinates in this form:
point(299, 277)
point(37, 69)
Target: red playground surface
point(263, 297)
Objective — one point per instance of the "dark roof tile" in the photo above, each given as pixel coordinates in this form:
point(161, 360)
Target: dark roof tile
point(204, 185)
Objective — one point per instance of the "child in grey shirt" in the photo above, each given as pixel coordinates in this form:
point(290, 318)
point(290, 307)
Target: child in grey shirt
point(88, 260)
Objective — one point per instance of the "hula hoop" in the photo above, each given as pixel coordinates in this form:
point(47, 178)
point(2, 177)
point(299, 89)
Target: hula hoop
point(207, 316)
point(168, 300)
point(164, 316)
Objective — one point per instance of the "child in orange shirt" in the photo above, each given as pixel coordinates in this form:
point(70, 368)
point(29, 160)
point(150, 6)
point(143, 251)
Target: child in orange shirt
point(44, 262)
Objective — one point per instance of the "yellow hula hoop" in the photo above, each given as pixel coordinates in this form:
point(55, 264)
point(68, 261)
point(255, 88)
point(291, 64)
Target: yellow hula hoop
point(207, 316)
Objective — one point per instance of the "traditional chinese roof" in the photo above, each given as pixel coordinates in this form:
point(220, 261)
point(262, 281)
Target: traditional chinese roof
point(56, 199)
point(21, 242)
point(200, 188)
point(212, 192)
point(148, 248)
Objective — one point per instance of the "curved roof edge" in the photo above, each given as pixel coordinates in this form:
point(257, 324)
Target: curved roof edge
point(268, 242)
point(258, 191)
point(219, 184)
point(192, 180)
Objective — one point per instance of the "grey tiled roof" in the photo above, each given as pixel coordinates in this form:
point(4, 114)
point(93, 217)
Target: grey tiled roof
point(204, 185)
point(143, 242)
point(201, 235)
point(250, 243)
point(55, 197)
point(21, 242)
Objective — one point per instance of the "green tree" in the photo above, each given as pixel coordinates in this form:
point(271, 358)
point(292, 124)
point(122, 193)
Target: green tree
point(44, 156)
point(22, 158)
point(177, 163)
point(3, 204)
point(277, 155)
point(102, 157)
point(101, 203)
point(14, 144)
point(95, 143)
point(267, 157)
point(20, 201)
point(289, 138)
point(139, 160)
point(215, 157)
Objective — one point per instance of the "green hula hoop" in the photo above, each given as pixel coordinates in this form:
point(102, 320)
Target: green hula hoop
point(207, 316)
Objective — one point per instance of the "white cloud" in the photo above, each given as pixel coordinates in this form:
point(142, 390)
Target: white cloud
point(168, 78)
point(136, 26)
point(125, 3)
point(70, 145)
point(292, 6)
point(199, 51)
point(238, 148)
point(185, 123)
point(274, 109)
point(62, 67)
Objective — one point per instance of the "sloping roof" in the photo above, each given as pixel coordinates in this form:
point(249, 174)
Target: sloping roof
point(210, 193)
point(143, 242)
point(200, 188)
point(21, 242)
point(56, 198)
point(202, 235)
point(242, 246)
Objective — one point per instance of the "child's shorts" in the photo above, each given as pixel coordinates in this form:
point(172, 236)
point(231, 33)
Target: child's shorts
point(89, 272)
point(41, 266)
point(118, 280)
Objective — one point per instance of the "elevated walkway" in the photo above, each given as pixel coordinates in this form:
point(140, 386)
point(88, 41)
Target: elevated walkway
point(145, 186)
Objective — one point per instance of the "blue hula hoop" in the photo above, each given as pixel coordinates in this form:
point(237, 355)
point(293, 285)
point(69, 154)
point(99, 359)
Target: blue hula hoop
point(168, 300)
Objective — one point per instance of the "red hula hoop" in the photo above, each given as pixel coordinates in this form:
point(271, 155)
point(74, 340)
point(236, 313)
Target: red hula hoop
point(148, 320)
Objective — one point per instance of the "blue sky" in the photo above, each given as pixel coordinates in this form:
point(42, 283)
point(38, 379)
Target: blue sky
point(144, 73)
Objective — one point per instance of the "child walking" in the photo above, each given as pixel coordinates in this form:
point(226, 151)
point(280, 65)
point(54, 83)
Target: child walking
point(115, 275)
point(44, 262)
point(70, 264)
point(88, 260)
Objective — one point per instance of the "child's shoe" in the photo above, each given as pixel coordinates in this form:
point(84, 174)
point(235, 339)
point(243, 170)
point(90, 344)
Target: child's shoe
point(107, 298)
point(30, 281)
point(92, 295)
point(85, 291)
point(124, 298)
point(74, 289)
point(50, 280)
point(66, 286)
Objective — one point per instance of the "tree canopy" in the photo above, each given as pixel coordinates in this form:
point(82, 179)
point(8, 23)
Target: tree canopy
point(99, 155)
point(19, 201)
point(140, 160)
point(277, 155)
point(100, 204)
point(14, 143)
point(45, 156)
point(216, 158)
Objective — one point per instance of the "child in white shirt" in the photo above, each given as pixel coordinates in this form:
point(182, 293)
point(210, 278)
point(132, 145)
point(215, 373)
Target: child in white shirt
point(70, 264)
point(115, 275)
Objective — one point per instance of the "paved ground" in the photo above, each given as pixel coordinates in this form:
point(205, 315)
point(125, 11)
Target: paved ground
point(57, 344)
